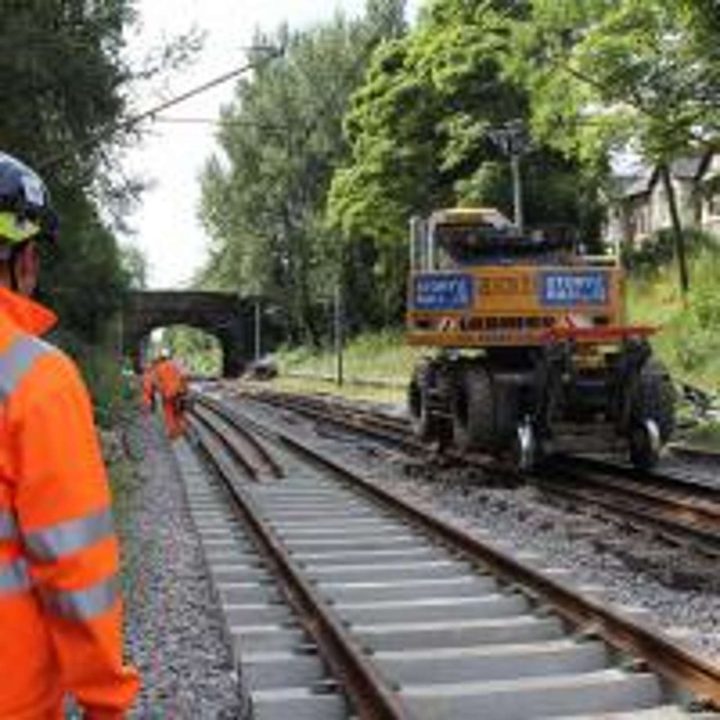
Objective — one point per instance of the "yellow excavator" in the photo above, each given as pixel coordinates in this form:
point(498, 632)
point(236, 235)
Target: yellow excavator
point(533, 354)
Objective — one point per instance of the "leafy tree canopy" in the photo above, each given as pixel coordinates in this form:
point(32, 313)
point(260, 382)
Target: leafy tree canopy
point(66, 81)
point(642, 74)
point(420, 126)
point(420, 133)
point(638, 75)
point(264, 197)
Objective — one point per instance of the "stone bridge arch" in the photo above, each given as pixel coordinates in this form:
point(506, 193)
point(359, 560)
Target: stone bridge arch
point(226, 316)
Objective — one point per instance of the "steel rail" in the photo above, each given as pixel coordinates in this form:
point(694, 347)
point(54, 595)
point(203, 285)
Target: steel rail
point(370, 694)
point(706, 540)
point(696, 453)
point(196, 422)
point(666, 657)
point(381, 427)
point(691, 510)
point(375, 423)
point(661, 654)
point(256, 461)
point(676, 515)
point(663, 481)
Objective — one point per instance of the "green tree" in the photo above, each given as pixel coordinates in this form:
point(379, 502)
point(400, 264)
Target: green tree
point(264, 197)
point(62, 74)
point(134, 264)
point(419, 133)
point(66, 81)
point(628, 75)
point(66, 85)
point(197, 351)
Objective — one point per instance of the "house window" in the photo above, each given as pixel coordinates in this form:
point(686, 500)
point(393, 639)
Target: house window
point(641, 220)
point(714, 205)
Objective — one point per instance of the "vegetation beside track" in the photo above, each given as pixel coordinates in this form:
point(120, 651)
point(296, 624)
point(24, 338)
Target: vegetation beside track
point(690, 339)
point(376, 367)
point(373, 393)
point(124, 479)
point(381, 355)
point(689, 343)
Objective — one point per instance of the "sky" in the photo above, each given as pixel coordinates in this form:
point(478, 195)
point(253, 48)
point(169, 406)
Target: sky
point(171, 156)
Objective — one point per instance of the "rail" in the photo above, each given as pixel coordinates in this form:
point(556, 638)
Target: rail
point(372, 698)
point(667, 658)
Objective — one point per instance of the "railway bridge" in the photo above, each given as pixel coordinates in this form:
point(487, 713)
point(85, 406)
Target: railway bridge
point(227, 316)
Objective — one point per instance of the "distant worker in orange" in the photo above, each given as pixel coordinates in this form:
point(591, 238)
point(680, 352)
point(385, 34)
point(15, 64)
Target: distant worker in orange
point(169, 380)
point(148, 387)
point(60, 609)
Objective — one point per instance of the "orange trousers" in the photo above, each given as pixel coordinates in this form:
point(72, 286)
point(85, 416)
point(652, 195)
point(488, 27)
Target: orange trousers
point(175, 422)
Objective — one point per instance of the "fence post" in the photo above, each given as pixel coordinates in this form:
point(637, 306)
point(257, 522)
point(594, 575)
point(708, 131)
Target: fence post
point(339, 340)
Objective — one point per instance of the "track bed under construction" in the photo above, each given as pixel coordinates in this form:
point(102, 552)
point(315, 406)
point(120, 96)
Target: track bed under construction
point(679, 507)
point(345, 601)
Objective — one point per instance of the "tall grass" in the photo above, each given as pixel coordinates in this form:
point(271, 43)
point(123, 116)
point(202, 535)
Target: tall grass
point(381, 356)
point(689, 339)
point(370, 356)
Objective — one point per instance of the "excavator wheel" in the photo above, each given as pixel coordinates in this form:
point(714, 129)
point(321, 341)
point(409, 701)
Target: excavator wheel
point(652, 414)
point(425, 424)
point(473, 410)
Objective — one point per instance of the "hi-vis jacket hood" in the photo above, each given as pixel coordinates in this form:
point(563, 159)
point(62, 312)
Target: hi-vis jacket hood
point(60, 611)
point(28, 316)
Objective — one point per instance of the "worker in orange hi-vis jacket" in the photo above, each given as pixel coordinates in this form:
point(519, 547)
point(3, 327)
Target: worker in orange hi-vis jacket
point(170, 382)
point(60, 609)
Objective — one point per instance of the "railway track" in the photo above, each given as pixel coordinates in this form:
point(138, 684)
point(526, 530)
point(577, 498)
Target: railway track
point(680, 511)
point(673, 507)
point(344, 601)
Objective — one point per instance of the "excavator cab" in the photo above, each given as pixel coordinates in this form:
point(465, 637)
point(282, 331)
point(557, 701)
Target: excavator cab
point(484, 236)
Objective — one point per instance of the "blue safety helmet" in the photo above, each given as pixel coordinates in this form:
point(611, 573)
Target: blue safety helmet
point(25, 208)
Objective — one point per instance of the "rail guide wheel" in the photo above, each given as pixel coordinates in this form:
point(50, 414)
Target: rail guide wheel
point(526, 448)
point(652, 414)
point(645, 444)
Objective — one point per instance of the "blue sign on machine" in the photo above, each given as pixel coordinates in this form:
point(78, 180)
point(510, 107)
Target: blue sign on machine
point(578, 288)
point(443, 291)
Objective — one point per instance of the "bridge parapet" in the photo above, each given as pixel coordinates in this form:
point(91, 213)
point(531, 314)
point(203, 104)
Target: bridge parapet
point(227, 316)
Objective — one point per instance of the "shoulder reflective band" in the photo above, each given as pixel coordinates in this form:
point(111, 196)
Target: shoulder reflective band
point(56, 541)
point(17, 360)
point(14, 577)
point(8, 525)
point(81, 604)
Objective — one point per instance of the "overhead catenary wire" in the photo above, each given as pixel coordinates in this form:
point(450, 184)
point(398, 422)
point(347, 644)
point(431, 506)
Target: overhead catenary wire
point(221, 122)
point(149, 114)
point(305, 129)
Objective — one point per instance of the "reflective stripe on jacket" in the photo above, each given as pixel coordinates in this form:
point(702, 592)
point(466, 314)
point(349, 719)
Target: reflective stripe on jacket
point(60, 611)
